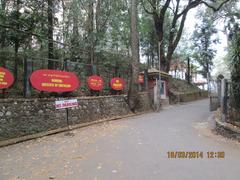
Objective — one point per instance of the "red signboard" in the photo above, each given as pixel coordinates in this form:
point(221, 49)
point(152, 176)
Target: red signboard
point(6, 78)
point(54, 81)
point(117, 83)
point(95, 83)
point(141, 79)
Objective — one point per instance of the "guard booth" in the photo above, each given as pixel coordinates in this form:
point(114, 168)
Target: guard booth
point(152, 77)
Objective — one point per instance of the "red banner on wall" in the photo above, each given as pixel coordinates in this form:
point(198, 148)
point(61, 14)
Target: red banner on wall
point(95, 83)
point(6, 78)
point(54, 81)
point(117, 83)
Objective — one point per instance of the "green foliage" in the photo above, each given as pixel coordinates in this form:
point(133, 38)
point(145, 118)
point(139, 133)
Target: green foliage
point(148, 40)
point(203, 38)
point(184, 50)
point(235, 64)
point(230, 14)
point(148, 36)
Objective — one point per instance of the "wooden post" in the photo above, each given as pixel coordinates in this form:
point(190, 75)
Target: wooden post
point(94, 69)
point(219, 92)
point(65, 65)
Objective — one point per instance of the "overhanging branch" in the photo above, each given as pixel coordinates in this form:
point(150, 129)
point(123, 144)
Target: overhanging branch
point(215, 8)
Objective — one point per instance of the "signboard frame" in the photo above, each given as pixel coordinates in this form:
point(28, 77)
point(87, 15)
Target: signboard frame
point(66, 104)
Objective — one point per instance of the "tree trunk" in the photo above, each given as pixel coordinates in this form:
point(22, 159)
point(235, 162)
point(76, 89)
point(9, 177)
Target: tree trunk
point(174, 36)
point(3, 30)
point(51, 64)
point(42, 30)
point(3, 35)
point(16, 43)
point(65, 28)
point(75, 44)
point(90, 32)
point(16, 47)
point(133, 88)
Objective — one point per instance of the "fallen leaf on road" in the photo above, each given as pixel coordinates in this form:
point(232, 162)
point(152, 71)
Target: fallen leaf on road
point(78, 157)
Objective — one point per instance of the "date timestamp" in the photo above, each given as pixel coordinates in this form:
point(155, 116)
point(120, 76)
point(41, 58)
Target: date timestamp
point(195, 154)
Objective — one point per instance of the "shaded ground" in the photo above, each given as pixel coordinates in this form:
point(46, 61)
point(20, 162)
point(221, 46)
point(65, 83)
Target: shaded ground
point(129, 149)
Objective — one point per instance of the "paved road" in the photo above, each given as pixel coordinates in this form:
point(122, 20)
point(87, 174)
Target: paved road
point(129, 149)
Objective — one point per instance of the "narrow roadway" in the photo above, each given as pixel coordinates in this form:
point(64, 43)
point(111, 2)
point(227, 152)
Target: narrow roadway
point(128, 149)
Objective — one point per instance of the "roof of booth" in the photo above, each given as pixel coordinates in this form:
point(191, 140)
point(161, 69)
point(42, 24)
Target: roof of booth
point(154, 71)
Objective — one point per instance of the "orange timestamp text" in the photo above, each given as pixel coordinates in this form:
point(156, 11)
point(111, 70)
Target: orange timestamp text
point(195, 154)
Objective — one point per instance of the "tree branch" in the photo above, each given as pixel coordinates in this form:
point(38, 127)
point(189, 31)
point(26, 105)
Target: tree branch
point(215, 8)
point(191, 5)
point(164, 8)
point(180, 30)
point(145, 8)
point(173, 25)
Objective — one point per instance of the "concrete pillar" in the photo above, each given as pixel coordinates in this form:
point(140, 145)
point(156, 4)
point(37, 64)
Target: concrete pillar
point(224, 90)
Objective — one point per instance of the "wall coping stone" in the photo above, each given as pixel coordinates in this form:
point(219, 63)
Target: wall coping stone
point(7, 100)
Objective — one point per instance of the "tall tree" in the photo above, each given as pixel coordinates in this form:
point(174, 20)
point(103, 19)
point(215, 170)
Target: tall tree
point(233, 57)
point(178, 10)
point(133, 89)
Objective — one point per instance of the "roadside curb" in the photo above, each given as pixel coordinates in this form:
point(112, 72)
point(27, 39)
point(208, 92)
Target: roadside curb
point(226, 129)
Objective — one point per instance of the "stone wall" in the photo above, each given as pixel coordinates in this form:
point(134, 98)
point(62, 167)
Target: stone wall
point(186, 97)
point(23, 117)
point(214, 102)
